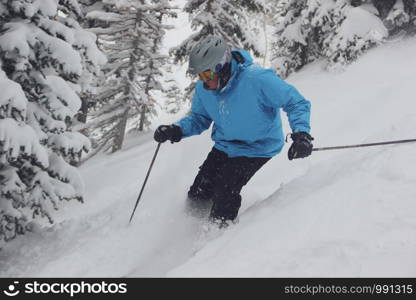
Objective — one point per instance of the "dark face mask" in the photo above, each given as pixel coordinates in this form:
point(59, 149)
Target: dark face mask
point(223, 76)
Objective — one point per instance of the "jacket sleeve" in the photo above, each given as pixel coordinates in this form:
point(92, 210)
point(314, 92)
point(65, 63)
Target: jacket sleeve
point(197, 121)
point(277, 93)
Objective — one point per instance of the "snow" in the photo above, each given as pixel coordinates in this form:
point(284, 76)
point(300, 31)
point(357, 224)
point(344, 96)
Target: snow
point(12, 97)
point(66, 173)
point(10, 183)
point(348, 213)
point(45, 7)
point(57, 29)
point(293, 32)
point(69, 142)
point(104, 16)
point(35, 113)
point(16, 138)
point(24, 36)
point(359, 22)
point(63, 102)
point(87, 39)
point(370, 8)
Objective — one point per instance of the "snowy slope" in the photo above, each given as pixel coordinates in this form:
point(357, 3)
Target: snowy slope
point(338, 213)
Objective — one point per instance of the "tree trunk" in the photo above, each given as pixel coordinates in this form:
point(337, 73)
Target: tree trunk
point(121, 130)
point(142, 118)
point(83, 112)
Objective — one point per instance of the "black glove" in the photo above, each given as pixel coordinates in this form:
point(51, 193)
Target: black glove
point(168, 132)
point(302, 145)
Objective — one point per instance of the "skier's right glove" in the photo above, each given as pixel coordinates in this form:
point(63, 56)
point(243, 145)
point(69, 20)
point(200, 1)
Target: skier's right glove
point(172, 133)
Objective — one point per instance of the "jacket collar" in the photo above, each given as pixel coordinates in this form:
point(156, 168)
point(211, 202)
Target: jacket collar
point(237, 66)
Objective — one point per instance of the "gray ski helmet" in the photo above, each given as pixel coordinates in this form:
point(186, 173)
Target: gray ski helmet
point(206, 54)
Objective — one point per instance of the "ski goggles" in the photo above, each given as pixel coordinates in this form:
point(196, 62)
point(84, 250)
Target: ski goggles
point(206, 75)
point(209, 74)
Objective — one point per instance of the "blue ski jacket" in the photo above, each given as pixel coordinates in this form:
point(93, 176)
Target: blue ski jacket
point(246, 112)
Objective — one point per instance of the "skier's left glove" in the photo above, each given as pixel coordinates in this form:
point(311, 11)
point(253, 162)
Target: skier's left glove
point(301, 146)
point(172, 133)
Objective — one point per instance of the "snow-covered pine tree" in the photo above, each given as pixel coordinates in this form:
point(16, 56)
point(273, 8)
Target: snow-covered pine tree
point(175, 98)
point(383, 6)
point(290, 48)
point(397, 18)
point(45, 57)
point(229, 19)
point(302, 28)
point(350, 40)
point(76, 10)
point(336, 30)
point(398, 15)
point(153, 64)
point(130, 33)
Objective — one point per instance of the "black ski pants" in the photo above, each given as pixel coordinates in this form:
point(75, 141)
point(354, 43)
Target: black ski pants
point(220, 180)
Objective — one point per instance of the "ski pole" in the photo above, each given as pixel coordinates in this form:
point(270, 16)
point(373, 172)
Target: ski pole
point(145, 180)
point(364, 145)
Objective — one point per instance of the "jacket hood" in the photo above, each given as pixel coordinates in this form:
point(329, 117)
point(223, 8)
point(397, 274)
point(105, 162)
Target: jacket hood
point(243, 60)
point(248, 59)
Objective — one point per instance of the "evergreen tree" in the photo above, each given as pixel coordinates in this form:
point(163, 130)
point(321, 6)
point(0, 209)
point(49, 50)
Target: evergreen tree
point(175, 98)
point(328, 29)
point(398, 15)
point(383, 7)
point(229, 19)
point(302, 27)
point(290, 46)
point(47, 61)
point(350, 41)
point(130, 33)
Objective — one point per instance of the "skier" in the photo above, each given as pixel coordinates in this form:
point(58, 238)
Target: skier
point(243, 101)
